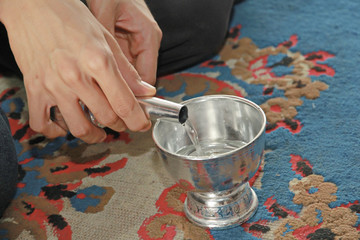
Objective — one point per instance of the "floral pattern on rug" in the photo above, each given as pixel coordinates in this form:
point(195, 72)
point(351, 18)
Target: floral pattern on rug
point(275, 68)
point(54, 174)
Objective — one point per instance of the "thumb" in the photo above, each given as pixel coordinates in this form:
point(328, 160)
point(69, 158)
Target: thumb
point(142, 88)
point(127, 70)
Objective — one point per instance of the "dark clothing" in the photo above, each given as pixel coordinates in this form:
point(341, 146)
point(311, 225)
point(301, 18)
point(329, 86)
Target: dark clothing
point(8, 164)
point(8, 65)
point(192, 32)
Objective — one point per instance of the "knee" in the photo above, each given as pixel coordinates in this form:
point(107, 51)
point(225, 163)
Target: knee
point(208, 27)
point(196, 34)
point(208, 38)
point(8, 164)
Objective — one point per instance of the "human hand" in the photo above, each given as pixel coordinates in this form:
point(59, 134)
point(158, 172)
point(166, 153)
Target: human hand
point(135, 30)
point(67, 56)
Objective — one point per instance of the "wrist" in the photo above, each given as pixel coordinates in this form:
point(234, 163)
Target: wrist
point(10, 9)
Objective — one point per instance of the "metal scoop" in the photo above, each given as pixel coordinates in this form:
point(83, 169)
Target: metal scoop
point(154, 108)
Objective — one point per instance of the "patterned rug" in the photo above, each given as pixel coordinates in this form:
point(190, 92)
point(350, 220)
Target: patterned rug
point(297, 59)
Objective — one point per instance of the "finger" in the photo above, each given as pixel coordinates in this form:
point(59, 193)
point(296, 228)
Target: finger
point(101, 65)
point(123, 42)
point(78, 123)
point(55, 116)
point(107, 19)
point(143, 46)
point(139, 87)
point(89, 92)
point(39, 112)
point(70, 81)
point(95, 100)
point(146, 65)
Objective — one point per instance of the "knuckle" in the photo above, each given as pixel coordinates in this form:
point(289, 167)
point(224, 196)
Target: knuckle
point(37, 127)
point(124, 110)
point(96, 60)
point(34, 124)
point(81, 132)
point(50, 86)
point(70, 75)
point(158, 32)
point(110, 119)
point(44, 130)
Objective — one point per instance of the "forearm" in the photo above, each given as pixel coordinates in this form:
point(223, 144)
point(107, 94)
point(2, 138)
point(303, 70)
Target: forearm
point(12, 9)
point(13, 12)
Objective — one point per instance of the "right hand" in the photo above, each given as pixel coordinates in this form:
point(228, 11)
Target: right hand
point(66, 56)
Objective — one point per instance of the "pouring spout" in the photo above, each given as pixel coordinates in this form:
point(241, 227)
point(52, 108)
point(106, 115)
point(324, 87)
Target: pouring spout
point(154, 108)
point(160, 108)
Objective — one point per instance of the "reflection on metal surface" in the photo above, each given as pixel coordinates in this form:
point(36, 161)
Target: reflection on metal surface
point(232, 132)
point(153, 107)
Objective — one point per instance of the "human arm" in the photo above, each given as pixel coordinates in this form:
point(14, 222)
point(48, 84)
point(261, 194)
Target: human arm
point(66, 55)
point(135, 30)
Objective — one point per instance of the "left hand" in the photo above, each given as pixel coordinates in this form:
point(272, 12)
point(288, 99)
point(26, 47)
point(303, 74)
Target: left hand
point(136, 31)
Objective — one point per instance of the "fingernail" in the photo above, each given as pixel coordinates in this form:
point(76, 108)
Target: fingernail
point(148, 86)
point(145, 129)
